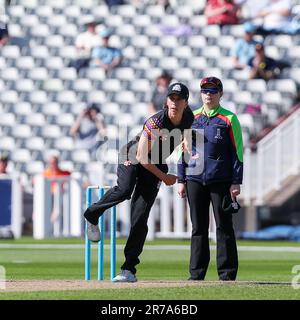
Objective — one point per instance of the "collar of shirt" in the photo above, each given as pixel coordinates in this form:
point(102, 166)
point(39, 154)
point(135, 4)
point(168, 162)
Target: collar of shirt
point(210, 113)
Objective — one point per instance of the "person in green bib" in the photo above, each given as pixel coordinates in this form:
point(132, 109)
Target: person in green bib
point(212, 172)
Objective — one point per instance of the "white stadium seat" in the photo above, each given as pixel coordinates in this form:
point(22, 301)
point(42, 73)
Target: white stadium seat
point(66, 97)
point(183, 74)
point(40, 33)
point(101, 11)
point(34, 167)
point(53, 85)
point(125, 98)
point(156, 12)
point(54, 63)
point(2, 63)
point(80, 156)
point(24, 85)
point(141, 21)
point(7, 143)
point(35, 144)
point(51, 109)
point(9, 96)
point(22, 108)
point(21, 155)
point(169, 63)
point(10, 52)
point(51, 131)
point(72, 12)
point(22, 131)
point(38, 73)
point(64, 144)
point(96, 96)
point(38, 97)
point(10, 75)
point(35, 120)
point(82, 85)
point(197, 43)
point(44, 11)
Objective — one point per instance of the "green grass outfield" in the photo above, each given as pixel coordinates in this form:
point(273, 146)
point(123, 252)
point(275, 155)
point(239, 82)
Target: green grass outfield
point(265, 270)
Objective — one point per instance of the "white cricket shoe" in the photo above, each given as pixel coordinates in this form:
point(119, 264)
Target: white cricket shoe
point(93, 232)
point(125, 276)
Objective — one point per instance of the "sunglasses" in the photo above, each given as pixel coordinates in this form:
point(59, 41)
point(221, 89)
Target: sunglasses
point(210, 90)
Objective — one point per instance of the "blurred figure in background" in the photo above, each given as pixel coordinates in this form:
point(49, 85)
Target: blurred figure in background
point(84, 43)
point(277, 18)
point(250, 9)
point(53, 171)
point(221, 12)
point(105, 56)
point(4, 35)
point(3, 165)
point(111, 3)
point(244, 49)
point(264, 67)
point(89, 129)
point(160, 92)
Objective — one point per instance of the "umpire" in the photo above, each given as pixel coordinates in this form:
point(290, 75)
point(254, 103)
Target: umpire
point(219, 182)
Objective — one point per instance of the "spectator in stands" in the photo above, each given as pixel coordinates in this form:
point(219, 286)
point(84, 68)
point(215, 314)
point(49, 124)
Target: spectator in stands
point(244, 48)
point(218, 180)
point(164, 3)
point(4, 35)
point(89, 129)
point(3, 164)
point(160, 92)
point(105, 56)
point(111, 3)
point(84, 43)
point(277, 18)
point(249, 9)
point(221, 12)
point(263, 67)
point(53, 171)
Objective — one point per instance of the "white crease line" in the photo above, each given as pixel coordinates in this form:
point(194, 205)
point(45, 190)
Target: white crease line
point(147, 247)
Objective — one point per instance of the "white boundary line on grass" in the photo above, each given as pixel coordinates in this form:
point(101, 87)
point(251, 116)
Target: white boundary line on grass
point(149, 247)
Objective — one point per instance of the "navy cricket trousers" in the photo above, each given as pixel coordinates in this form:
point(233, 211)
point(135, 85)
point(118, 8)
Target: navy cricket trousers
point(199, 198)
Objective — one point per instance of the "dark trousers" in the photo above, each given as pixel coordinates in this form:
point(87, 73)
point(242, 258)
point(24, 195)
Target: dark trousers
point(146, 187)
point(199, 198)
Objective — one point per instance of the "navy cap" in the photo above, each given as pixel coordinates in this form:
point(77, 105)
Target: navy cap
point(212, 80)
point(180, 89)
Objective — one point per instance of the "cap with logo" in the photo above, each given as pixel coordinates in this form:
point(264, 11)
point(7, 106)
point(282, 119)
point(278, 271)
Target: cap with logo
point(230, 206)
point(212, 80)
point(179, 89)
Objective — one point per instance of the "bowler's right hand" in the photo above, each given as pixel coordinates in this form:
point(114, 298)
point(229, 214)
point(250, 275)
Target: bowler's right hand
point(170, 179)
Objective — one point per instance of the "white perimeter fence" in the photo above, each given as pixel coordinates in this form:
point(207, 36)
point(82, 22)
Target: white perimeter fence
point(59, 205)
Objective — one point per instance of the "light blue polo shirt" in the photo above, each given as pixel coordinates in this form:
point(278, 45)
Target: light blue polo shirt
point(244, 50)
point(106, 54)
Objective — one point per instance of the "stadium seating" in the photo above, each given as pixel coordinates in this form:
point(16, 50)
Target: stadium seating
point(41, 96)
